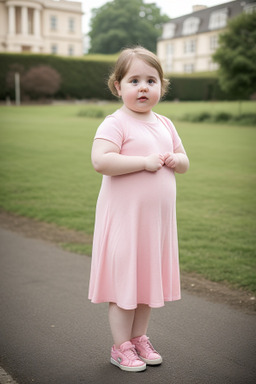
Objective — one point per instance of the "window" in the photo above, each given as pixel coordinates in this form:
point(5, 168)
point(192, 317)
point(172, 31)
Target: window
point(71, 50)
point(190, 46)
point(53, 23)
point(218, 19)
point(190, 26)
point(169, 49)
point(250, 8)
point(169, 30)
point(188, 68)
point(25, 48)
point(71, 25)
point(169, 57)
point(214, 43)
point(54, 49)
point(169, 66)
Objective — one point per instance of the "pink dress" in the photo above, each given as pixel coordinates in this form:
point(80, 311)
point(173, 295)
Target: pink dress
point(135, 247)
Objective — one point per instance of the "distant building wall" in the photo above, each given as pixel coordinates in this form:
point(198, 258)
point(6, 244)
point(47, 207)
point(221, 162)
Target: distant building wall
point(41, 26)
point(188, 42)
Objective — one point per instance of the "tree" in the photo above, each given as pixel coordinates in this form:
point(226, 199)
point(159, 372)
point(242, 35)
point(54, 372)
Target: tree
point(236, 56)
point(122, 23)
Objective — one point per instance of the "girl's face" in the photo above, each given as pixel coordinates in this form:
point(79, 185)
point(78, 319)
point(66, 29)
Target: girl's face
point(140, 88)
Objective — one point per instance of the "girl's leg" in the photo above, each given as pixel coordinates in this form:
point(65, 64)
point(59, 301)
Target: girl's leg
point(121, 323)
point(127, 324)
point(144, 348)
point(141, 320)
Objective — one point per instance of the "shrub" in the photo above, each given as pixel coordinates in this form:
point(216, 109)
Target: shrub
point(245, 119)
point(195, 118)
point(80, 79)
point(92, 112)
point(40, 81)
point(222, 117)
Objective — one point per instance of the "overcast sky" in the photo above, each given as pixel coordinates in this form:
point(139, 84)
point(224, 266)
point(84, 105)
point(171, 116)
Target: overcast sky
point(172, 8)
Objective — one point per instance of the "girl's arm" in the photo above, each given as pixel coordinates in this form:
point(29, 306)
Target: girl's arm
point(106, 159)
point(178, 160)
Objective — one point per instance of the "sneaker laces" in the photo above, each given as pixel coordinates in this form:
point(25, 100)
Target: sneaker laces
point(131, 353)
point(148, 346)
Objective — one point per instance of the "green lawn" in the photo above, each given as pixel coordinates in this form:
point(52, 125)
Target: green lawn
point(45, 173)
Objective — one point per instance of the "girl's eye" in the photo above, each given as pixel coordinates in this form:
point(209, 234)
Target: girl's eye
point(151, 81)
point(134, 81)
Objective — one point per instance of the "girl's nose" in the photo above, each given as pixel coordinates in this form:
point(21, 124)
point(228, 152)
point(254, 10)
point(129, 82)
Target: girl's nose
point(144, 87)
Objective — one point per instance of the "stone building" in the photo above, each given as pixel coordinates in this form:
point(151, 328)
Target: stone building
point(41, 26)
point(188, 42)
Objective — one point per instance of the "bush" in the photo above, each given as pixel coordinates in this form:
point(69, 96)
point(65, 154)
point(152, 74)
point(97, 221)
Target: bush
point(245, 119)
point(92, 112)
point(80, 79)
point(220, 117)
point(37, 82)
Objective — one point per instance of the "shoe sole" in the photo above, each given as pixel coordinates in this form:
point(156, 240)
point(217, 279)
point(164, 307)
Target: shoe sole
point(128, 369)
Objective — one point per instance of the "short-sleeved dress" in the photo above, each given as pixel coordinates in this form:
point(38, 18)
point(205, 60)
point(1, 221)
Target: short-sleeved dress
point(135, 247)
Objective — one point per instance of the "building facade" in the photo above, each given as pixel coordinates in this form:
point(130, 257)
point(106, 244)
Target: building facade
point(188, 42)
point(41, 26)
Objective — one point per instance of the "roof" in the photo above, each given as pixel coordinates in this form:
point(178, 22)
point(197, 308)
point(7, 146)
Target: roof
point(233, 9)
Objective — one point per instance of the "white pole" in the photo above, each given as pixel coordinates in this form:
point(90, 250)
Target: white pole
point(17, 88)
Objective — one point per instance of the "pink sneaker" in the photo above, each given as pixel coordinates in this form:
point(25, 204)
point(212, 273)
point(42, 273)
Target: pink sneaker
point(146, 351)
point(126, 358)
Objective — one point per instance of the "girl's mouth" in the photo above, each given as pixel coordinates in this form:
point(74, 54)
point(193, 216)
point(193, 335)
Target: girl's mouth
point(143, 98)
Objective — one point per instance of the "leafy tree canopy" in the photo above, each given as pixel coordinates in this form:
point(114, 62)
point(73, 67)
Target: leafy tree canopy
point(122, 23)
point(236, 56)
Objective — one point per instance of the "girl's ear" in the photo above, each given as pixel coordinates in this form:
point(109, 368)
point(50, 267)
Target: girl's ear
point(118, 88)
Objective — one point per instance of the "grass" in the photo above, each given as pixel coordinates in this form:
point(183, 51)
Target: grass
point(45, 173)
point(179, 110)
point(216, 204)
point(232, 113)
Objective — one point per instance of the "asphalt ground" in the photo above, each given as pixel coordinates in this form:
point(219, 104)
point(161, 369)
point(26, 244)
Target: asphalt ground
point(50, 333)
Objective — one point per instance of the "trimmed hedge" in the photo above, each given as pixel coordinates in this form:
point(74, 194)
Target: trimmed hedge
point(80, 79)
point(195, 89)
point(87, 79)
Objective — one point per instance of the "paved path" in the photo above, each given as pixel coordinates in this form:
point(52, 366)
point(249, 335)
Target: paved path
point(51, 334)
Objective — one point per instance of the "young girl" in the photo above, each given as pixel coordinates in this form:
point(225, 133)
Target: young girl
point(135, 250)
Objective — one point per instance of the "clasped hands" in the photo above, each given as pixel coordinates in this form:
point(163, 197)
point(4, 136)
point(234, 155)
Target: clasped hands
point(156, 161)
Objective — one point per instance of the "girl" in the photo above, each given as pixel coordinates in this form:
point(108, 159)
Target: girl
point(135, 250)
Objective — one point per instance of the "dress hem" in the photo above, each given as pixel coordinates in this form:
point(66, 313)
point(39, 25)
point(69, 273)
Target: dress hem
point(134, 306)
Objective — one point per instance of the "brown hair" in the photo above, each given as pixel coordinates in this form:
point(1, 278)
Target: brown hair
point(123, 64)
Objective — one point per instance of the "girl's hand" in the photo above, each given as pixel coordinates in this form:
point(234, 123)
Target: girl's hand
point(171, 160)
point(154, 162)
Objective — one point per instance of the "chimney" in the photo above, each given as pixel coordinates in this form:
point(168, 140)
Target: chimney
point(198, 7)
